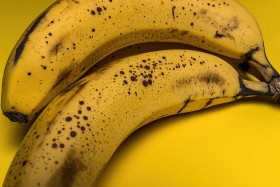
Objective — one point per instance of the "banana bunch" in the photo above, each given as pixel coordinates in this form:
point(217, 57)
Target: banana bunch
point(76, 135)
point(82, 107)
point(72, 35)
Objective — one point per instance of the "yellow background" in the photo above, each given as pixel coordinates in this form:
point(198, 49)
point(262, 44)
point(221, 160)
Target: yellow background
point(234, 145)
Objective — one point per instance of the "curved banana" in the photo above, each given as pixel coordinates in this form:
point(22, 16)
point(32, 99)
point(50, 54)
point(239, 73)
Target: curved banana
point(72, 35)
point(75, 136)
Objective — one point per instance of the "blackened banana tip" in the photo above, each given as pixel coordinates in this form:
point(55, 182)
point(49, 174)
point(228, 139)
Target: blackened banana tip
point(16, 117)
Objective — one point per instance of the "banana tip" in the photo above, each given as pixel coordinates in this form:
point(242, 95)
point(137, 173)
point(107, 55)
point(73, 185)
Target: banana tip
point(16, 117)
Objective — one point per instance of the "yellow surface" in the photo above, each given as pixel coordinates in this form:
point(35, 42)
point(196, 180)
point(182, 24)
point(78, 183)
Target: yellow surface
point(234, 145)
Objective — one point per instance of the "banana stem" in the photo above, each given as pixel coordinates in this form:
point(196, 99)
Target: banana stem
point(274, 87)
point(261, 88)
point(254, 88)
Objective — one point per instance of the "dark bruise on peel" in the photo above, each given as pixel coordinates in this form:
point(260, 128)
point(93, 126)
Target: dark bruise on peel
point(16, 117)
point(209, 102)
point(208, 77)
point(219, 35)
point(212, 77)
point(184, 106)
point(173, 12)
point(250, 53)
point(56, 48)
point(66, 174)
point(75, 1)
point(21, 46)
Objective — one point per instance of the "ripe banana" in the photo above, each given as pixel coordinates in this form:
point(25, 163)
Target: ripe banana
point(77, 133)
point(72, 35)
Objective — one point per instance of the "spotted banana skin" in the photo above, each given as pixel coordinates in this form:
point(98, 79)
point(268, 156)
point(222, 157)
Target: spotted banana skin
point(71, 36)
point(76, 135)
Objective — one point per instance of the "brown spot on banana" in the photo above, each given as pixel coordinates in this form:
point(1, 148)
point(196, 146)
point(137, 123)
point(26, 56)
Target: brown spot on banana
point(68, 171)
point(203, 11)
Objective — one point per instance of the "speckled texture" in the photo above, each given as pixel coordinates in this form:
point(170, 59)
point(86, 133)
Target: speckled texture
point(72, 35)
point(76, 135)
